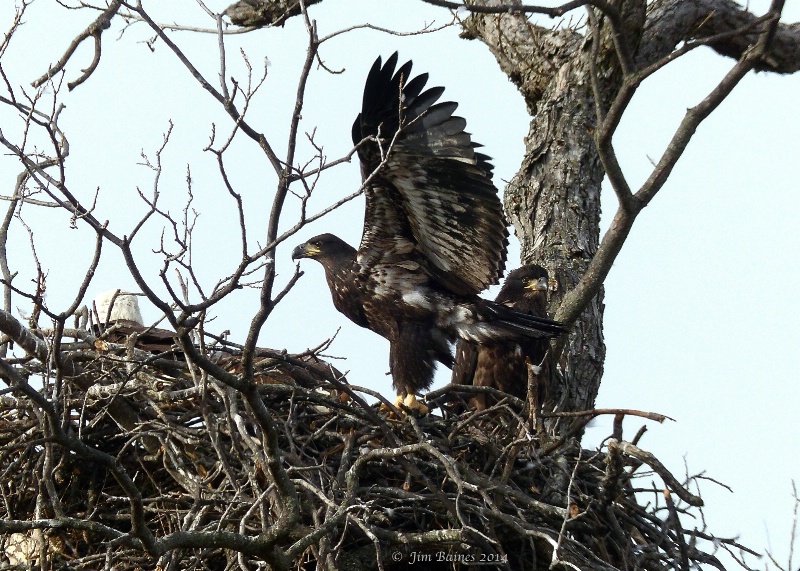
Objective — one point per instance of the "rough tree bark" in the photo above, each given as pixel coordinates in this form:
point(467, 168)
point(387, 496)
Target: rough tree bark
point(554, 199)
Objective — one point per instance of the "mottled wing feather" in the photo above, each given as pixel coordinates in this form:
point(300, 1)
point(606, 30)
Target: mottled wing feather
point(452, 221)
point(390, 240)
point(433, 178)
point(465, 362)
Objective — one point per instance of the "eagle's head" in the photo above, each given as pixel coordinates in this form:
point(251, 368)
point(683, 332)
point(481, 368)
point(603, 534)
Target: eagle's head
point(125, 307)
point(327, 249)
point(527, 285)
point(530, 277)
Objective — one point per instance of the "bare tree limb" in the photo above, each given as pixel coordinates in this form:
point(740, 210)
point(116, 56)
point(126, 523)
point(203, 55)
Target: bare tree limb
point(577, 299)
point(95, 30)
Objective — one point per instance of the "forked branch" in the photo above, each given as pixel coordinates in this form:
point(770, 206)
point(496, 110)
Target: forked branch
point(630, 204)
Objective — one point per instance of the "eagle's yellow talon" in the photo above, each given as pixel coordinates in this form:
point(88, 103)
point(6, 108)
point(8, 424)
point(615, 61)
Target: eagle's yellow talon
point(404, 403)
point(412, 403)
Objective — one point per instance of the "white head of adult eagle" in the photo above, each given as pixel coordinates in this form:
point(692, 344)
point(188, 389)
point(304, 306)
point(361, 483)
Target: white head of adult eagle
point(125, 308)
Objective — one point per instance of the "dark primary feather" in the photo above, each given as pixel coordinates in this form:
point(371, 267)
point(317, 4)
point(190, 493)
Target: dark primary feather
point(502, 365)
point(434, 232)
point(432, 179)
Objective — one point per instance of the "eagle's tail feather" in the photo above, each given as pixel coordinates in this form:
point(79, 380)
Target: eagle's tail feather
point(523, 323)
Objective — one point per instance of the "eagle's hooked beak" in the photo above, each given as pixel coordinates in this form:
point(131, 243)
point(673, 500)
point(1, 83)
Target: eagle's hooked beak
point(304, 250)
point(538, 285)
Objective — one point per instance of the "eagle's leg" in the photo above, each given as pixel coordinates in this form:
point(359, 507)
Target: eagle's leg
point(412, 403)
point(412, 360)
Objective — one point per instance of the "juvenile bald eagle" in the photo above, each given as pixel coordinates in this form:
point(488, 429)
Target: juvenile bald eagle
point(434, 234)
point(502, 364)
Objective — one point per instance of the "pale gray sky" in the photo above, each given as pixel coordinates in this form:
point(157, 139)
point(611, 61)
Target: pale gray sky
point(701, 321)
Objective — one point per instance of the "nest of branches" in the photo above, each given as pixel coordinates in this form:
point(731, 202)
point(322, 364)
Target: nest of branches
point(134, 460)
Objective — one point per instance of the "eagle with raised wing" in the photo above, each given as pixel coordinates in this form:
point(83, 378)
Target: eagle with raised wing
point(434, 234)
point(503, 364)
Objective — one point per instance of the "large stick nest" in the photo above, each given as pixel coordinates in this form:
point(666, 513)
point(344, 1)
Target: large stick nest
point(374, 490)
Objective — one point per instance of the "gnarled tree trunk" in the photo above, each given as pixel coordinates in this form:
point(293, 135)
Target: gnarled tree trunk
point(554, 199)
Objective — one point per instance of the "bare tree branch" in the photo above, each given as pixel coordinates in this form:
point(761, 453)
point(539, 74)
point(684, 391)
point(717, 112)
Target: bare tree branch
point(95, 30)
point(577, 299)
